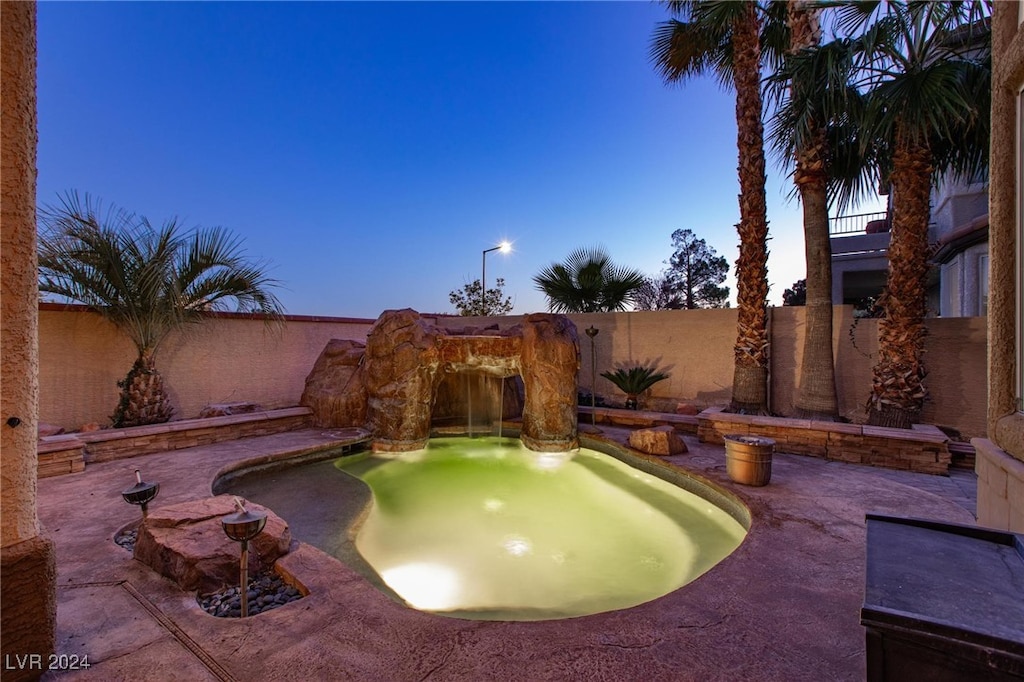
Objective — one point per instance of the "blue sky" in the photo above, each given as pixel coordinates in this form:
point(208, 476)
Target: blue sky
point(371, 151)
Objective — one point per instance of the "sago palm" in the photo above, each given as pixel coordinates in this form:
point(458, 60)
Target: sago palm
point(148, 281)
point(722, 38)
point(589, 282)
point(634, 380)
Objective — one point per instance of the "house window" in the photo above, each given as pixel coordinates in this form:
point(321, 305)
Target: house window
point(949, 285)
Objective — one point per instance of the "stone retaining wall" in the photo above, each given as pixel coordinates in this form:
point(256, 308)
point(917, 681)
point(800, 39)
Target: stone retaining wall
point(69, 453)
point(923, 449)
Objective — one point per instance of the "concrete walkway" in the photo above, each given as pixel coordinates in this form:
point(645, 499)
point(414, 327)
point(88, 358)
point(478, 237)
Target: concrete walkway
point(784, 606)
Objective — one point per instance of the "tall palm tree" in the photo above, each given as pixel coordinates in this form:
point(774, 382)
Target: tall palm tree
point(926, 70)
point(800, 132)
point(589, 282)
point(147, 281)
point(723, 38)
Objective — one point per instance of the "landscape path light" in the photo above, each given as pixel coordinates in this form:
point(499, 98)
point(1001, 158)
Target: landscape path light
point(592, 332)
point(504, 247)
point(142, 493)
point(242, 527)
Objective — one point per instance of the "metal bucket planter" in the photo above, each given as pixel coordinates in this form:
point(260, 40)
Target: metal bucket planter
point(748, 459)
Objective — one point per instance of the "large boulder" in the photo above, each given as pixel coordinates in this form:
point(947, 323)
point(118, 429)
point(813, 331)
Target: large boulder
point(659, 440)
point(186, 543)
point(334, 388)
point(549, 364)
point(400, 369)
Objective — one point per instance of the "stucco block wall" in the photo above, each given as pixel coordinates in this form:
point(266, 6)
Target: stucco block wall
point(225, 359)
point(236, 358)
point(695, 346)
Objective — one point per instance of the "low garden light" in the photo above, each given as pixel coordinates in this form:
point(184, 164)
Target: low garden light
point(141, 494)
point(592, 332)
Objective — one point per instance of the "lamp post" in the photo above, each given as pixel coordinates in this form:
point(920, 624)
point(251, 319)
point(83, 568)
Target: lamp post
point(504, 247)
point(592, 332)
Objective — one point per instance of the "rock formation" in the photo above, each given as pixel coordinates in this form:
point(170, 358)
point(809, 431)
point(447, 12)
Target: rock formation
point(334, 388)
point(186, 543)
point(390, 386)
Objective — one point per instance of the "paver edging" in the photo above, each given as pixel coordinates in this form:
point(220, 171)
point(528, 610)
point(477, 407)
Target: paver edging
point(69, 453)
point(923, 449)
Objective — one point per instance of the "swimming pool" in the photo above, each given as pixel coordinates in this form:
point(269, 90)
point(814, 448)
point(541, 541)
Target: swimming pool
point(484, 528)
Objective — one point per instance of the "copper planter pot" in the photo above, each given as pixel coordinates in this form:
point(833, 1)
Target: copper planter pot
point(748, 459)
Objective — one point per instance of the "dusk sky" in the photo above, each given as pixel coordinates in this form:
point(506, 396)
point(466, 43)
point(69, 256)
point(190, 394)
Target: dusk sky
point(371, 151)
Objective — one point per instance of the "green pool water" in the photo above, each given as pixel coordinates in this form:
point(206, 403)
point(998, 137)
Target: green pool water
point(485, 528)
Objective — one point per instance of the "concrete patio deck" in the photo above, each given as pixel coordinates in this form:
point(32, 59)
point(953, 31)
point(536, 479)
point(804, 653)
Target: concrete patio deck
point(784, 606)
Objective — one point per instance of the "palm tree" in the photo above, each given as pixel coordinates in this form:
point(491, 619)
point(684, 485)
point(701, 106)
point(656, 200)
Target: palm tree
point(926, 70)
point(800, 132)
point(588, 282)
point(147, 281)
point(722, 38)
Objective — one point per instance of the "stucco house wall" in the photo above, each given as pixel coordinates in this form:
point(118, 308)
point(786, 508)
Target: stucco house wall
point(27, 556)
point(1000, 460)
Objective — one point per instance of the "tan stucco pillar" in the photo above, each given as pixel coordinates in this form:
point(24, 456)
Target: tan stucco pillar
point(27, 564)
point(1000, 457)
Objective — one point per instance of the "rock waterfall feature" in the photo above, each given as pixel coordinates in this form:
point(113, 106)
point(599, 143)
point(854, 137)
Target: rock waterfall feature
point(389, 386)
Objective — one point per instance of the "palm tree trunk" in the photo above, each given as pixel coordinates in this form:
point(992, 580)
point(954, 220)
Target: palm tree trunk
point(143, 398)
point(816, 394)
point(897, 390)
point(750, 375)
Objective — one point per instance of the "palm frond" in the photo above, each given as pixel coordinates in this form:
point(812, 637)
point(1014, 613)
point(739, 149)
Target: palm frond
point(146, 280)
point(587, 281)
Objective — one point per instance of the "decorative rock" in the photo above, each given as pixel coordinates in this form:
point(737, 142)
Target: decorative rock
point(49, 430)
point(687, 408)
point(659, 440)
point(334, 388)
point(401, 361)
point(186, 543)
point(127, 539)
point(89, 428)
point(551, 360)
point(391, 386)
point(226, 409)
point(266, 592)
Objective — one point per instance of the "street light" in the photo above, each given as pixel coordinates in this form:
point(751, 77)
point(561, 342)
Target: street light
point(504, 247)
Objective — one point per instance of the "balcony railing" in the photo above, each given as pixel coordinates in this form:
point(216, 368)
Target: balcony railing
point(848, 225)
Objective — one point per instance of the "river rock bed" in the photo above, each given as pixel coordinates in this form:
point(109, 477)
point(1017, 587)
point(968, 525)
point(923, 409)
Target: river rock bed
point(266, 592)
point(127, 539)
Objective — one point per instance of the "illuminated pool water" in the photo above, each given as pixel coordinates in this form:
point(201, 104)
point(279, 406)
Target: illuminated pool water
point(487, 529)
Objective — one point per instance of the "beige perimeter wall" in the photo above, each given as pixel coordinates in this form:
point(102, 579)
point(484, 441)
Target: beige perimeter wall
point(225, 359)
point(235, 358)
